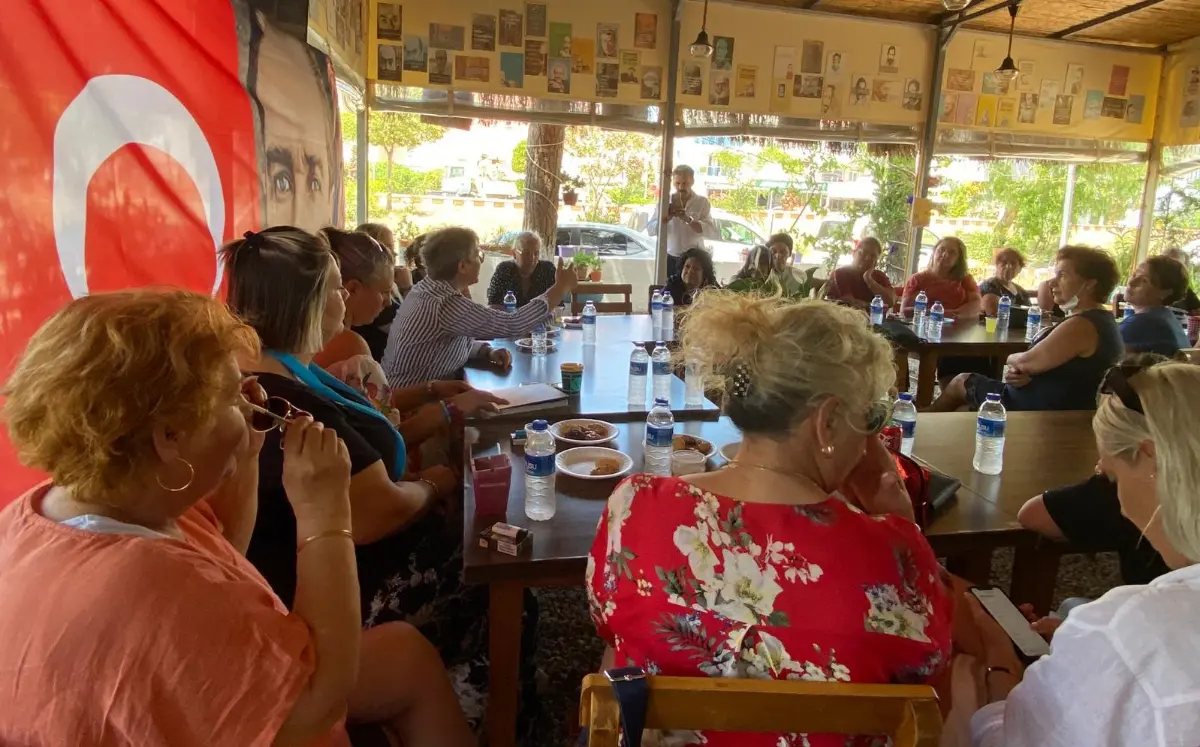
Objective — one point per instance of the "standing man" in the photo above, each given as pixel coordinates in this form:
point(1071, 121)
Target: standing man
point(689, 218)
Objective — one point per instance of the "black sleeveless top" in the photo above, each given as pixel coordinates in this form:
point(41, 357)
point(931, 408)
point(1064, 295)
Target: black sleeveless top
point(1073, 385)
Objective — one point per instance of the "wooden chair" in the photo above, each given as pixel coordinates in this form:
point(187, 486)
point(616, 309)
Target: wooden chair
point(907, 713)
point(604, 289)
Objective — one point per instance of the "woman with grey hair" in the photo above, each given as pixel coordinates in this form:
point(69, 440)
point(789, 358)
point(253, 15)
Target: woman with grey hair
point(527, 275)
point(438, 330)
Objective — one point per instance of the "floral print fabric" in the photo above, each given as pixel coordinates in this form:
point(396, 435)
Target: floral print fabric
point(684, 582)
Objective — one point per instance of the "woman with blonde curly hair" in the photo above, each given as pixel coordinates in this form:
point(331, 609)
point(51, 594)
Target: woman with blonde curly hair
point(800, 559)
point(130, 614)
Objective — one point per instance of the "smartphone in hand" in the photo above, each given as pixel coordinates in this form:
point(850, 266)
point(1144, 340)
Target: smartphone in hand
point(1028, 643)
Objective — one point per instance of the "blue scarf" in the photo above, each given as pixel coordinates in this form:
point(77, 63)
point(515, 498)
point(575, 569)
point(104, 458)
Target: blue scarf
point(318, 379)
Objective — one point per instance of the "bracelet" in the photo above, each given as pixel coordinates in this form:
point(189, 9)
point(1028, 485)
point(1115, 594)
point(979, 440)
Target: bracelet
point(323, 535)
point(436, 490)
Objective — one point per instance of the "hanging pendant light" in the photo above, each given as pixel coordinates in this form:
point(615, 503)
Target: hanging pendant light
point(1008, 69)
point(955, 4)
point(702, 47)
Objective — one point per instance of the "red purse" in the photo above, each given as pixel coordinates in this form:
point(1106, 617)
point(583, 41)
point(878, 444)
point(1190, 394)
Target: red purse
point(928, 490)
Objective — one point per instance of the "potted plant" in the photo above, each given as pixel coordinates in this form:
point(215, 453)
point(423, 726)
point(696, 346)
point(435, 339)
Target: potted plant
point(586, 266)
point(569, 185)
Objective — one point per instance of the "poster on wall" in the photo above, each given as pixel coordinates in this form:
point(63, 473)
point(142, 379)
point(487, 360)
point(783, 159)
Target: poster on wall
point(1063, 104)
point(722, 53)
point(1025, 72)
point(783, 71)
point(1074, 80)
point(511, 25)
point(1118, 80)
point(445, 36)
point(889, 60)
point(747, 81)
point(390, 61)
point(831, 101)
point(483, 33)
point(1189, 115)
point(560, 40)
point(606, 41)
point(809, 86)
point(607, 77)
point(631, 60)
point(948, 111)
point(1006, 113)
point(558, 77)
point(439, 67)
point(693, 79)
point(960, 81)
point(812, 57)
point(1113, 108)
point(1027, 108)
point(583, 55)
point(535, 20)
point(983, 55)
point(834, 67)
point(884, 91)
point(416, 53)
point(645, 31)
point(1092, 104)
point(1135, 109)
point(985, 111)
point(718, 88)
point(995, 84)
point(535, 57)
point(512, 69)
point(651, 76)
point(968, 103)
point(388, 22)
point(1048, 93)
point(860, 91)
point(476, 69)
point(912, 95)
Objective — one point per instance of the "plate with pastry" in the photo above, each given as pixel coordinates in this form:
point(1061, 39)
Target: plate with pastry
point(584, 431)
point(683, 441)
point(593, 463)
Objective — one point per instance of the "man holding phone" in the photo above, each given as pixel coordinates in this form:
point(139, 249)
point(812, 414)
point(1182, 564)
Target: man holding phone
point(689, 218)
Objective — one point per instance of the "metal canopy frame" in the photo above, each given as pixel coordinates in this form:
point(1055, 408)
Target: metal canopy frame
point(956, 19)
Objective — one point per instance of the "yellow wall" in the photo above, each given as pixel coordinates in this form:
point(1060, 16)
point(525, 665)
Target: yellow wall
point(1050, 60)
point(584, 18)
point(1181, 92)
point(756, 34)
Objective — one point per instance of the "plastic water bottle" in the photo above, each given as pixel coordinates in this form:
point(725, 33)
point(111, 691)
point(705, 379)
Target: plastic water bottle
point(1129, 311)
point(639, 367)
point(589, 323)
point(877, 310)
point(904, 414)
point(919, 307)
point(540, 344)
point(539, 472)
point(1003, 313)
point(668, 313)
point(661, 359)
point(660, 431)
point(937, 315)
point(1033, 322)
point(656, 309)
point(510, 302)
point(989, 436)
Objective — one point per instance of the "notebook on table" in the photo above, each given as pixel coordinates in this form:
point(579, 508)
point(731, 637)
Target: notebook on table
point(525, 397)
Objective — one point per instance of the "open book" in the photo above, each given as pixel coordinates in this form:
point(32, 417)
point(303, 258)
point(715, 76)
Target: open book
point(531, 394)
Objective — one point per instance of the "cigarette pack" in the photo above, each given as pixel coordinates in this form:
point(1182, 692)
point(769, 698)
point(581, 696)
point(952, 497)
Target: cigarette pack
point(505, 538)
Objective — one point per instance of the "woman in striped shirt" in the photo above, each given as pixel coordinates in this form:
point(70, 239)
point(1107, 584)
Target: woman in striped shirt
point(437, 331)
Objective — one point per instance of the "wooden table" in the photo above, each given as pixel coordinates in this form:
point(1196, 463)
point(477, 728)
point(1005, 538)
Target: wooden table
point(960, 339)
point(605, 389)
point(1043, 450)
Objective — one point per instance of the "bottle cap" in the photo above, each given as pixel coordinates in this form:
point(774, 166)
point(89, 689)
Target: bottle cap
point(661, 401)
point(660, 343)
point(993, 397)
point(905, 397)
point(539, 425)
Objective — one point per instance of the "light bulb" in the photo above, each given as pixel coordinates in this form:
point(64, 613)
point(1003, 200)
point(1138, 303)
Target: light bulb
point(1008, 70)
point(955, 4)
point(701, 47)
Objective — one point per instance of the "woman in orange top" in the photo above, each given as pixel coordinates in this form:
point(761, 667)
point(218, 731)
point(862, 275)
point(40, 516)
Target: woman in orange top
point(946, 280)
point(130, 615)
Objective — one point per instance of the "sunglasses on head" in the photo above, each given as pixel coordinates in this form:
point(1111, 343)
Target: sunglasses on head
point(1116, 383)
point(877, 416)
point(267, 413)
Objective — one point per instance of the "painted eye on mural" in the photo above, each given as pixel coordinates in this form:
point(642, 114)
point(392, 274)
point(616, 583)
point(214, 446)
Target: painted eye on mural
point(314, 184)
point(283, 184)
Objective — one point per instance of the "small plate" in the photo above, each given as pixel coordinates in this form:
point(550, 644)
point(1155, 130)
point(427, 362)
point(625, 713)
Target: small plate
point(526, 344)
point(563, 426)
point(702, 445)
point(730, 450)
point(580, 461)
point(553, 331)
point(573, 322)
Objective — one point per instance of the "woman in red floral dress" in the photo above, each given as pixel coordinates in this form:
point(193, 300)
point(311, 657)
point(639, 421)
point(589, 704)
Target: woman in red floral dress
point(800, 560)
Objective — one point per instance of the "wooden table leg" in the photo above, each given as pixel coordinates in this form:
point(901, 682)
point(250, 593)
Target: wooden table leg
point(1034, 574)
point(926, 378)
point(974, 566)
point(504, 654)
point(901, 362)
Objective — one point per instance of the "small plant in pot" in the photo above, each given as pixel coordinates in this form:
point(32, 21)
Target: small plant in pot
point(569, 186)
point(587, 266)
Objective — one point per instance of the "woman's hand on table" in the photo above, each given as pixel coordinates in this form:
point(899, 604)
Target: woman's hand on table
point(474, 401)
point(876, 485)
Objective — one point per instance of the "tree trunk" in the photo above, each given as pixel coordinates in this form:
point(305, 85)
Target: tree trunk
point(388, 187)
point(543, 164)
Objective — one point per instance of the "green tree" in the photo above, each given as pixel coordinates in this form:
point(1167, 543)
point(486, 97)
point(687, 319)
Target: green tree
point(393, 131)
point(520, 156)
point(350, 167)
point(889, 211)
point(616, 168)
point(741, 198)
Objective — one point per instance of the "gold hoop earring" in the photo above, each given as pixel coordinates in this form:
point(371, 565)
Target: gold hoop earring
point(827, 450)
point(186, 485)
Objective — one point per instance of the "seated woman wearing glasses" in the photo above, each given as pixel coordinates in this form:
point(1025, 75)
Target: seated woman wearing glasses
point(763, 569)
point(130, 615)
point(1066, 363)
point(527, 275)
point(285, 282)
point(1124, 668)
point(438, 330)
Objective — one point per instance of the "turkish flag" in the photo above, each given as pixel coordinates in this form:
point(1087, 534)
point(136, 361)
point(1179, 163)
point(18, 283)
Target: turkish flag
point(128, 146)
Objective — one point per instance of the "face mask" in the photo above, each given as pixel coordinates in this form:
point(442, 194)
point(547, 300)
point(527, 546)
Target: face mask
point(1070, 304)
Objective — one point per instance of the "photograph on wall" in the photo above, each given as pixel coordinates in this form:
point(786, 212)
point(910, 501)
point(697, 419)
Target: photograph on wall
point(416, 53)
point(645, 32)
point(967, 104)
point(439, 67)
point(912, 95)
point(1074, 80)
point(535, 57)
point(1027, 111)
point(809, 86)
point(983, 55)
point(747, 82)
point(948, 111)
point(860, 91)
point(1006, 112)
point(560, 40)
point(1189, 116)
point(1048, 93)
point(472, 68)
point(718, 88)
point(693, 79)
point(1191, 81)
point(1092, 103)
point(512, 69)
point(722, 58)
point(985, 112)
point(889, 59)
point(831, 102)
point(995, 84)
point(1113, 108)
point(1118, 81)
point(651, 76)
point(1025, 72)
point(445, 36)
point(388, 19)
point(535, 19)
point(483, 33)
point(812, 57)
point(558, 75)
point(606, 41)
point(1135, 109)
point(1063, 104)
point(784, 64)
point(607, 77)
point(583, 56)
point(631, 60)
point(391, 60)
point(961, 81)
point(835, 67)
point(511, 29)
point(885, 91)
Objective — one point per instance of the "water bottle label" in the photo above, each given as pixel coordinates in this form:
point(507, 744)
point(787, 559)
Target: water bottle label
point(660, 435)
point(662, 368)
point(990, 428)
point(638, 368)
point(908, 427)
point(539, 466)
point(589, 318)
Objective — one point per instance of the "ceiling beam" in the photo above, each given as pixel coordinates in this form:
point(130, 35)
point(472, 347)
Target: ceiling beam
point(1103, 19)
point(807, 4)
point(956, 19)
